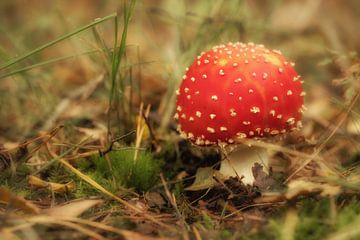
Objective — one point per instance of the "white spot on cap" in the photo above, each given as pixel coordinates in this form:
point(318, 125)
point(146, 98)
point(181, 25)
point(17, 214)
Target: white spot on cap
point(198, 114)
point(186, 90)
point(281, 70)
point(188, 97)
point(197, 93)
point(184, 77)
point(240, 98)
point(210, 130)
point(232, 112)
point(246, 123)
point(176, 116)
point(190, 135)
point(277, 51)
point(179, 108)
point(241, 135)
point(255, 110)
point(272, 112)
point(212, 116)
point(223, 129)
point(231, 140)
point(296, 78)
point(290, 121)
point(251, 90)
point(221, 72)
point(192, 79)
point(289, 92)
point(191, 119)
point(177, 92)
point(204, 76)
point(183, 116)
point(214, 97)
point(235, 64)
point(279, 116)
point(251, 133)
point(237, 80)
point(275, 98)
point(254, 74)
point(265, 75)
point(302, 94)
point(274, 132)
point(206, 61)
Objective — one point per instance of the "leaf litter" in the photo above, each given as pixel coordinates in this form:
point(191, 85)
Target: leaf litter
point(50, 179)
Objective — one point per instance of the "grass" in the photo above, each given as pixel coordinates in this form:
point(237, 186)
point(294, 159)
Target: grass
point(141, 52)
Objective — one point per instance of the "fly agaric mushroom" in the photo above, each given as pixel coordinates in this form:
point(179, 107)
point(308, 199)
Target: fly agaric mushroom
point(238, 91)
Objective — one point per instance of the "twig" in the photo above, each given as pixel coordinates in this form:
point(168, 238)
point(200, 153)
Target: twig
point(172, 200)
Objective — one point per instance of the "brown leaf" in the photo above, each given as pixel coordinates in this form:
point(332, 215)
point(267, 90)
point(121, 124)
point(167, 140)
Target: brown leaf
point(262, 180)
point(203, 179)
point(155, 199)
point(73, 209)
point(129, 235)
point(7, 197)
point(300, 187)
point(56, 187)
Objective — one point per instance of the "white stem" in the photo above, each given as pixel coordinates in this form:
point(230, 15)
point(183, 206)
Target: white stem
point(240, 162)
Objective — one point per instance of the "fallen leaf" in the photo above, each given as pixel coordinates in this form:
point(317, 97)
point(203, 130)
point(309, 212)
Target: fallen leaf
point(297, 188)
point(129, 235)
point(155, 199)
point(11, 199)
point(301, 187)
point(203, 179)
point(73, 209)
point(262, 179)
point(56, 187)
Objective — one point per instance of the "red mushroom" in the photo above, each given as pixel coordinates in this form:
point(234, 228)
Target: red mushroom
point(238, 91)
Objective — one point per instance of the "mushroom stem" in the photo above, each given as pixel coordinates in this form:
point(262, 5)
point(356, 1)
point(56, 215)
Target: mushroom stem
point(240, 161)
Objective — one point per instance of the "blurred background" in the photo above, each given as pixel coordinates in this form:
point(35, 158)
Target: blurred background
point(70, 82)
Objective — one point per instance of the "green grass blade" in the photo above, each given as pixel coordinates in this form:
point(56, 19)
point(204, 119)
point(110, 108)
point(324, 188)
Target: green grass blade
point(51, 43)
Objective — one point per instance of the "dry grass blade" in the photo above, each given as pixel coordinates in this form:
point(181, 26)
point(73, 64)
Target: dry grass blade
point(140, 128)
point(56, 187)
point(47, 220)
point(321, 147)
point(72, 209)
point(172, 200)
point(103, 190)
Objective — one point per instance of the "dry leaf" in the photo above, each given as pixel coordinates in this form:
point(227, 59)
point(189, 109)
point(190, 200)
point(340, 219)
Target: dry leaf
point(129, 235)
point(301, 187)
point(56, 187)
point(203, 179)
point(73, 209)
point(262, 179)
point(7, 197)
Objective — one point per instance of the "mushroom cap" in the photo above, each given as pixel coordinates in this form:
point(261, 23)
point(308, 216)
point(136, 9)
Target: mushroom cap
point(238, 90)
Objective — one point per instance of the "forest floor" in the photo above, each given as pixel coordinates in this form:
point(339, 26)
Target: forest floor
point(88, 143)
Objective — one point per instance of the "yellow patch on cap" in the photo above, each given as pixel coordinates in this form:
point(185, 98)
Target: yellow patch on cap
point(222, 62)
point(273, 59)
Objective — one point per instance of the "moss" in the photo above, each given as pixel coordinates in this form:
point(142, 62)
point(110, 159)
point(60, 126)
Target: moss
point(314, 220)
point(122, 170)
